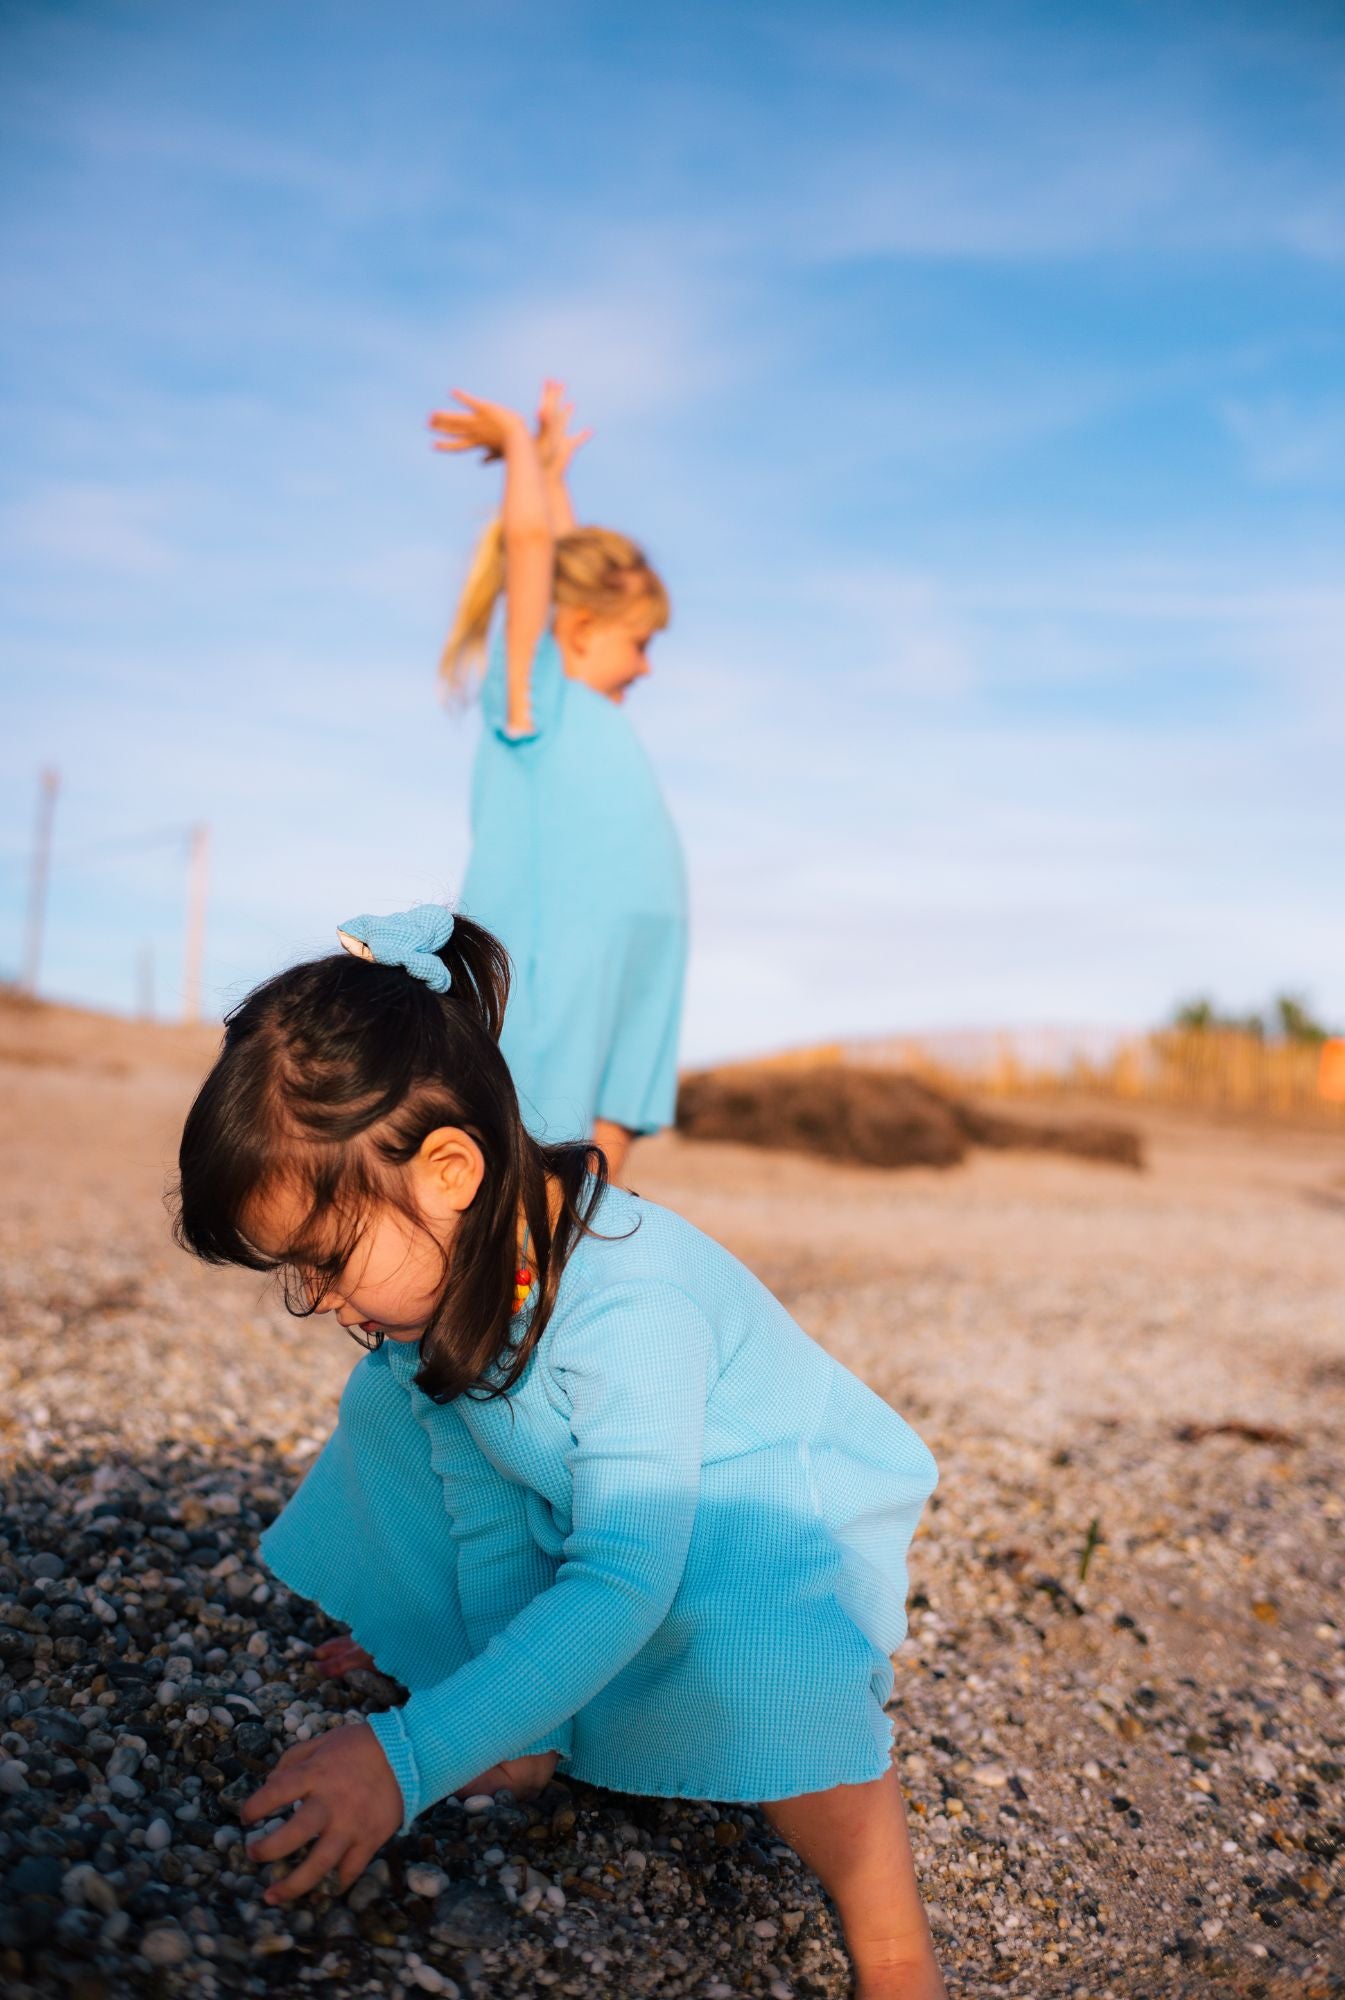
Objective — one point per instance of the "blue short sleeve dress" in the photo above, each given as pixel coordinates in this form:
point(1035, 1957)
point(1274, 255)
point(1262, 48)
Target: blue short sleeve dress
point(577, 868)
point(675, 1553)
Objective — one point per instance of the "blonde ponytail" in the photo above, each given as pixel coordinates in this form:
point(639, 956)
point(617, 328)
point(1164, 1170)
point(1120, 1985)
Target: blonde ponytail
point(465, 647)
point(602, 571)
point(596, 569)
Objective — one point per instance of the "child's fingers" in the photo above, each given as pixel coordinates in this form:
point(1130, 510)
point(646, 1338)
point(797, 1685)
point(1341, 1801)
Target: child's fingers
point(340, 1656)
point(282, 1788)
point(298, 1830)
point(325, 1856)
point(298, 1753)
point(356, 1860)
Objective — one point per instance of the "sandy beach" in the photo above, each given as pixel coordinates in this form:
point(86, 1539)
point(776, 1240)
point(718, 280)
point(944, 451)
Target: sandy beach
point(1119, 1717)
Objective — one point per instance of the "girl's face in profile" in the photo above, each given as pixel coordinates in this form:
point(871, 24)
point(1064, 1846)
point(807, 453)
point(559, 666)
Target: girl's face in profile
point(607, 654)
point(390, 1279)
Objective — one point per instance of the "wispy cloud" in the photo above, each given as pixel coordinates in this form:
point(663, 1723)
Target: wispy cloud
point(104, 528)
point(1290, 441)
point(996, 487)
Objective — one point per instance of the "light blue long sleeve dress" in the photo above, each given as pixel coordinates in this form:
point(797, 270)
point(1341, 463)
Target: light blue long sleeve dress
point(675, 1553)
point(577, 868)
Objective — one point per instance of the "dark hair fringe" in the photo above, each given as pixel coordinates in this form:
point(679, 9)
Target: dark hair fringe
point(332, 1074)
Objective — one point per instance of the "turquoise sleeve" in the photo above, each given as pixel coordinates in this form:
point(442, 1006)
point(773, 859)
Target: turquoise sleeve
point(500, 1567)
point(635, 1367)
point(546, 691)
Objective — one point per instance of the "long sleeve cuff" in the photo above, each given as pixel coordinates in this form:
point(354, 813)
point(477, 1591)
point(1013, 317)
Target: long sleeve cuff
point(390, 1729)
point(395, 1744)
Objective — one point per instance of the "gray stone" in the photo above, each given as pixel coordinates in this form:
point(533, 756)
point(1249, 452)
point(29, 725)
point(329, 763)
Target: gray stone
point(165, 1945)
point(468, 1917)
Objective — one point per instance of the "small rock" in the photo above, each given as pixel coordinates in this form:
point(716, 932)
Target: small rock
point(422, 1880)
point(13, 1777)
point(158, 1835)
point(467, 1917)
point(365, 1893)
point(166, 1944)
point(429, 1980)
point(479, 1802)
point(83, 1885)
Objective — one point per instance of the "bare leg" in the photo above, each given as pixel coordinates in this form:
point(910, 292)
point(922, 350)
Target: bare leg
point(615, 1141)
point(854, 1839)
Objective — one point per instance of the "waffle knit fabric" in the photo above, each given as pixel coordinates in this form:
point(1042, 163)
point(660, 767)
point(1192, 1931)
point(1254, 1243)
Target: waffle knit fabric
point(675, 1552)
point(577, 868)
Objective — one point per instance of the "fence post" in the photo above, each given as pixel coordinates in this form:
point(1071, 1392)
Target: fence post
point(198, 869)
point(48, 786)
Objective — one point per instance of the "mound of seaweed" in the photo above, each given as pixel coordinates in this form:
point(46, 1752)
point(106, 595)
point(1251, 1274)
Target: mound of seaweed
point(874, 1118)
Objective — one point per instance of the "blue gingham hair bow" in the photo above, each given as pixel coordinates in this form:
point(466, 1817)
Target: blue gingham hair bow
point(408, 937)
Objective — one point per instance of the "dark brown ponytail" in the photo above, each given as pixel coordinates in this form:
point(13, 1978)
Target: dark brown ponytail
point(331, 1076)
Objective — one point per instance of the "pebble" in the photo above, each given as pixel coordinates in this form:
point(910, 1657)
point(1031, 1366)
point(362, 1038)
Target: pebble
point(165, 1945)
point(1024, 1702)
point(430, 1980)
point(83, 1884)
point(479, 1802)
point(365, 1893)
point(425, 1881)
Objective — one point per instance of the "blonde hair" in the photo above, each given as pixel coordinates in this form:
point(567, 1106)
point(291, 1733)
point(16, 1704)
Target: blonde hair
point(596, 569)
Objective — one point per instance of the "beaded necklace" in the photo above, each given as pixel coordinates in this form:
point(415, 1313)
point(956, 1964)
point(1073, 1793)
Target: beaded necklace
point(524, 1276)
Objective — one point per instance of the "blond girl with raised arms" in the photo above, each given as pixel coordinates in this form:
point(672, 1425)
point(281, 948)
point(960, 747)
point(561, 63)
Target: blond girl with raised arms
point(576, 865)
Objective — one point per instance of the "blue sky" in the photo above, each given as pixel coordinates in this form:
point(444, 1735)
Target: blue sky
point(974, 374)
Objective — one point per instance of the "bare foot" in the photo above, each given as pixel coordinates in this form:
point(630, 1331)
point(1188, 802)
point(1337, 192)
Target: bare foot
point(523, 1776)
point(337, 1657)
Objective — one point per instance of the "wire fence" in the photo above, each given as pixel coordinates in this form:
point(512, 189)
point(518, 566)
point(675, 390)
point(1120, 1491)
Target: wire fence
point(83, 865)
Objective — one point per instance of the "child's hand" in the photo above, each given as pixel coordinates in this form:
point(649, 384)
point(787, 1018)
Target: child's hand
point(555, 446)
point(351, 1804)
point(489, 428)
point(337, 1657)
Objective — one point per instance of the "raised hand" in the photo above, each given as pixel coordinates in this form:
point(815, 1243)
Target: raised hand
point(349, 1804)
point(556, 445)
point(489, 428)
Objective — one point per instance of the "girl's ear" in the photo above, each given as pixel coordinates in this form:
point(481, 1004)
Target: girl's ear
point(448, 1172)
point(573, 629)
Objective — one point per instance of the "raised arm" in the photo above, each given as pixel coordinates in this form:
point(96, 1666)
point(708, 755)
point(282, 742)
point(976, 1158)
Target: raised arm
point(529, 539)
point(556, 447)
